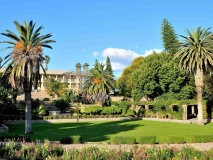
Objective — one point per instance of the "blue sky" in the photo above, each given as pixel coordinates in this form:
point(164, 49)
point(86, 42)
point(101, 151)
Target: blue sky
point(86, 30)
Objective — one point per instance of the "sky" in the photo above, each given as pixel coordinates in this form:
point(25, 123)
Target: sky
point(86, 30)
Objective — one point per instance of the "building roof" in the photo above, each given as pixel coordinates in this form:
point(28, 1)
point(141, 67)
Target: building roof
point(53, 72)
point(56, 72)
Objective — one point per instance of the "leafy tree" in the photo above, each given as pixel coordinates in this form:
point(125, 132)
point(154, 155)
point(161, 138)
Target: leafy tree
point(99, 83)
point(69, 96)
point(175, 83)
point(146, 79)
point(125, 82)
point(108, 66)
point(195, 55)
point(55, 87)
point(25, 60)
point(170, 41)
point(47, 60)
point(160, 77)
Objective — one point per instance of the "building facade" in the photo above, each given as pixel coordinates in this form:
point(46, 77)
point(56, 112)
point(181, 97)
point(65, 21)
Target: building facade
point(74, 79)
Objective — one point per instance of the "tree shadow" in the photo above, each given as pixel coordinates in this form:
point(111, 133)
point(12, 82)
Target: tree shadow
point(90, 132)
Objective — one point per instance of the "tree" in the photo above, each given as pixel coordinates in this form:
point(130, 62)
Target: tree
point(124, 82)
point(195, 55)
point(78, 67)
point(146, 79)
point(47, 60)
point(25, 60)
point(54, 87)
point(0, 61)
point(99, 83)
point(86, 65)
point(108, 66)
point(170, 41)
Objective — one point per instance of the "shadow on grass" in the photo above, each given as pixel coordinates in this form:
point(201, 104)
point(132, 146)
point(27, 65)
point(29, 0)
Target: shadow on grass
point(89, 131)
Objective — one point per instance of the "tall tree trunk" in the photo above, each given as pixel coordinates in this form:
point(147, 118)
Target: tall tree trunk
point(28, 111)
point(199, 87)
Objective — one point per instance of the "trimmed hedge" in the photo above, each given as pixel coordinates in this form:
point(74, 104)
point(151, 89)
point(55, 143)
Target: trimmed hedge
point(71, 140)
point(202, 138)
point(176, 139)
point(123, 140)
point(147, 140)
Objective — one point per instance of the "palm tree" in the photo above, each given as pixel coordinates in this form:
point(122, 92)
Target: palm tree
point(78, 67)
point(0, 61)
point(195, 54)
point(86, 65)
point(47, 60)
point(99, 83)
point(25, 59)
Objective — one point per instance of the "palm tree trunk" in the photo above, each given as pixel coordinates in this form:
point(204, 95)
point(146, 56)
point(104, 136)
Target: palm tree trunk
point(28, 109)
point(199, 87)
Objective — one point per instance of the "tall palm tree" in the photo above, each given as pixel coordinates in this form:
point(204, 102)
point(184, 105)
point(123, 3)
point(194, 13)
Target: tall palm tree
point(47, 60)
point(25, 59)
point(99, 83)
point(0, 61)
point(195, 54)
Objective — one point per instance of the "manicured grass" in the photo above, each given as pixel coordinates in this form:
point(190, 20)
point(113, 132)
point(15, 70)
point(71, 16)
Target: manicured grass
point(104, 130)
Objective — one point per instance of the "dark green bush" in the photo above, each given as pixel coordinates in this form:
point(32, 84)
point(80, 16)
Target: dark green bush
point(71, 140)
point(46, 99)
point(61, 104)
point(202, 138)
point(147, 140)
point(176, 139)
point(123, 140)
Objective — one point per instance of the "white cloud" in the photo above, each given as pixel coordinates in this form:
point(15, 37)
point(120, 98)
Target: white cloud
point(148, 52)
point(95, 54)
point(117, 66)
point(122, 58)
point(117, 53)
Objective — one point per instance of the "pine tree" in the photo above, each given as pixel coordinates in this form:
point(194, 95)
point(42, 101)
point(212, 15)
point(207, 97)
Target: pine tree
point(108, 66)
point(170, 41)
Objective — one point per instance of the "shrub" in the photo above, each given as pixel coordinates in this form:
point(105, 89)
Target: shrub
point(202, 138)
point(71, 140)
point(46, 99)
point(123, 140)
point(61, 104)
point(124, 105)
point(176, 139)
point(45, 117)
point(41, 110)
point(60, 117)
point(130, 112)
point(111, 110)
point(147, 140)
point(93, 110)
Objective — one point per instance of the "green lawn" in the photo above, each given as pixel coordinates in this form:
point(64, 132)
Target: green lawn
point(104, 130)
